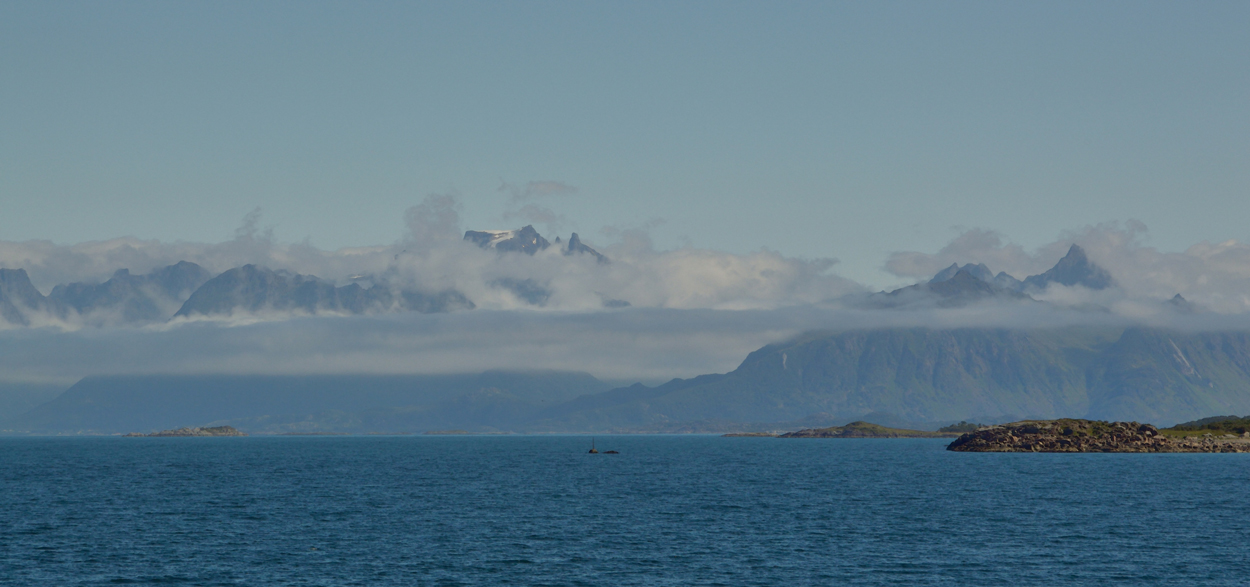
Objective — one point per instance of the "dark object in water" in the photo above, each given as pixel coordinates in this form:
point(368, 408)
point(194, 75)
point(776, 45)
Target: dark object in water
point(610, 452)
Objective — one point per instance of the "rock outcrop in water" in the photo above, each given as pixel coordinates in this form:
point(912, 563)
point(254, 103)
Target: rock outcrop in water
point(1071, 435)
point(195, 431)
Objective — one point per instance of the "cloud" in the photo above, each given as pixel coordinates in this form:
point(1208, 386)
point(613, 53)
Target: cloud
point(535, 214)
point(537, 189)
point(250, 229)
point(645, 343)
point(435, 219)
point(432, 257)
point(975, 245)
point(636, 343)
point(1216, 276)
point(690, 310)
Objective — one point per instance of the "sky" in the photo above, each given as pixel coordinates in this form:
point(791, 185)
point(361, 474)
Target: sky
point(752, 171)
point(852, 131)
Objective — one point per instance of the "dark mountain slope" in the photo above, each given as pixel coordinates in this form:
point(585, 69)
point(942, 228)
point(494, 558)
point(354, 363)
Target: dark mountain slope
point(916, 374)
point(926, 375)
point(1167, 376)
point(341, 403)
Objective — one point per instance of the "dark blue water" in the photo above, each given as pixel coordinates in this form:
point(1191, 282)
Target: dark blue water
point(669, 510)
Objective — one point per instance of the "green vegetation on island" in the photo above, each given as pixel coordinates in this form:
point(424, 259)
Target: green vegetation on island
point(1213, 426)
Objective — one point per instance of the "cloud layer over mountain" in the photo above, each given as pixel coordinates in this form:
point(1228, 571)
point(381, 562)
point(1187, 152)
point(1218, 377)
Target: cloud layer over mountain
point(433, 257)
point(637, 312)
point(1214, 275)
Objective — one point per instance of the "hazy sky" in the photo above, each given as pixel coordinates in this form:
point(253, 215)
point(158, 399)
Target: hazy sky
point(847, 130)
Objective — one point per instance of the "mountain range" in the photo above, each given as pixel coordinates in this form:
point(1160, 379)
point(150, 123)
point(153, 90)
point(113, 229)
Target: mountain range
point(255, 290)
point(932, 376)
point(958, 286)
point(123, 299)
point(903, 377)
point(187, 290)
point(527, 240)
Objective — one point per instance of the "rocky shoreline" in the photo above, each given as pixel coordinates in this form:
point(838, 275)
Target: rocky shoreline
point(192, 431)
point(1072, 435)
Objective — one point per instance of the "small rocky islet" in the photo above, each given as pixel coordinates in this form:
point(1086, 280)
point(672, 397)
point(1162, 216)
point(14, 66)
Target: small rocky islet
point(1074, 435)
point(863, 429)
point(192, 431)
point(1223, 434)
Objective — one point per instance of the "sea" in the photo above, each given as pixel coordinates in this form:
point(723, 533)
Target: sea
point(667, 510)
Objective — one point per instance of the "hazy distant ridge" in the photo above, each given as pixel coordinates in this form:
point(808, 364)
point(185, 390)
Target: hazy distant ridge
point(916, 376)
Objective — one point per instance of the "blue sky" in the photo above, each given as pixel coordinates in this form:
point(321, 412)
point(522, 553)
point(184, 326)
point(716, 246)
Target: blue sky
point(847, 130)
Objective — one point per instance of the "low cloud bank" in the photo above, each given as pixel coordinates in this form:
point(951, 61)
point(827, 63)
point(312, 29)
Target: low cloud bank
point(432, 256)
point(645, 314)
point(635, 344)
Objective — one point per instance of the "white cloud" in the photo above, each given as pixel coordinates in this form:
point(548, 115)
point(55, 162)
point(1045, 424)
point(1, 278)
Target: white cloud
point(691, 310)
point(1216, 276)
point(537, 189)
point(432, 257)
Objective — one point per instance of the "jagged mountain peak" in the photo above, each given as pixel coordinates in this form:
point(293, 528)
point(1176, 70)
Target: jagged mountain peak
point(979, 271)
point(1074, 268)
point(967, 285)
point(18, 297)
point(1003, 279)
point(525, 240)
point(132, 298)
point(576, 246)
point(1182, 305)
point(16, 282)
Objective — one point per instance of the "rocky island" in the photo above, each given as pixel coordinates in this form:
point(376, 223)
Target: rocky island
point(1073, 435)
point(865, 430)
point(193, 431)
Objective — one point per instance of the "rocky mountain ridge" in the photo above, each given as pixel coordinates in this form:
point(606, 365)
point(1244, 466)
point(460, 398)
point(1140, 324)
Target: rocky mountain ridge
point(123, 299)
point(187, 290)
point(958, 286)
point(253, 290)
